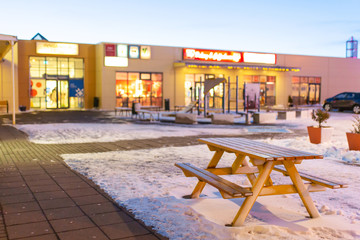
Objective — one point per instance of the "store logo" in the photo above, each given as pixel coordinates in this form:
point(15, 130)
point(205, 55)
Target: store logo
point(211, 55)
point(145, 52)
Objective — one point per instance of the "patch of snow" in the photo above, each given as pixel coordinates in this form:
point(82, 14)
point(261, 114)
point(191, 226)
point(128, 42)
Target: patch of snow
point(148, 183)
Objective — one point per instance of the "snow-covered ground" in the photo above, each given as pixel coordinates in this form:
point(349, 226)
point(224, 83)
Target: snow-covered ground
point(147, 182)
point(90, 132)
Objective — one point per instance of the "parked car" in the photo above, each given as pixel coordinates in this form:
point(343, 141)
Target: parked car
point(344, 101)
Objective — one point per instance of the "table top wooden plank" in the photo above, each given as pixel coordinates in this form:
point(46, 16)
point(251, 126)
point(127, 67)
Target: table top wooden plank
point(269, 148)
point(251, 147)
point(258, 150)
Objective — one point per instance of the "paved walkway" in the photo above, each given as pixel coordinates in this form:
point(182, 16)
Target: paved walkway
point(41, 198)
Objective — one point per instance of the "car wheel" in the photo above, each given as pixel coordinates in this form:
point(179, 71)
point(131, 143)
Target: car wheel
point(327, 107)
point(356, 109)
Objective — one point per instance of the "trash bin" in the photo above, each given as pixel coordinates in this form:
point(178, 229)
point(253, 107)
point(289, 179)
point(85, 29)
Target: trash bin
point(167, 104)
point(22, 108)
point(96, 102)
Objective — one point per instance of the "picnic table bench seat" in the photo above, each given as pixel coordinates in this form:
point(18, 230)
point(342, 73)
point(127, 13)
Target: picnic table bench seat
point(226, 188)
point(315, 179)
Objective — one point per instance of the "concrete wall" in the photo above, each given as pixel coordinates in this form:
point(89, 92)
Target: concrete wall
point(6, 85)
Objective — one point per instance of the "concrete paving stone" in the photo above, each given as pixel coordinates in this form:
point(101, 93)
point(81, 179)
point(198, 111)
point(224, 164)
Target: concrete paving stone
point(42, 237)
point(9, 174)
point(45, 188)
point(12, 185)
point(142, 237)
point(17, 198)
point(24, 217)
point(20, 207)
point(11, 179)
point(83, 234)
point(50, 195)
point(56, 203)
point(68, 180)
point(40, 182)
point(37, 177)
point(32, 172)
point(82, 192)
point(123, 230)
point(62, 175)
point(14, 191)
point(90, 199)
point(59, 213)
point(99, 208)
point(29, 230)
point(58, 169)
point(111, 218)
point(68, 224)
point(74, 185)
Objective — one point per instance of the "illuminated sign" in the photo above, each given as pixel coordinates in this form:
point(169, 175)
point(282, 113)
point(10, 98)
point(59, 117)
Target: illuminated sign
point(268, 58)
point(116, 62)
point(110, 50)
point(57, 48)
point(212, 55)
point(122, 50)
point(145, 52)
point(134, 52)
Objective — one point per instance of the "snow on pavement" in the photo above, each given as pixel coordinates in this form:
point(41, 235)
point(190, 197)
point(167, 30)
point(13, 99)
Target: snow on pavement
point(147, 182)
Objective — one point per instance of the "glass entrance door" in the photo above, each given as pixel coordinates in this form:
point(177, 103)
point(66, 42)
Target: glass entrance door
point(51, 94)
point(314, 93)
point(57, 94)
point(63, 94)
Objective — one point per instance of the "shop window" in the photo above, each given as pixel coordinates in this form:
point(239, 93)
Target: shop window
point(267, 88)
point(53, 85)
point(305, 90)
point(145, 88)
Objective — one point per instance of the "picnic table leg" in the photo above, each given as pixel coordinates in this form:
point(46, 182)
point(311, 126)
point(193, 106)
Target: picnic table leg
point(301, 189)
point(250, 176)
point(213, 163)
point(256, 189)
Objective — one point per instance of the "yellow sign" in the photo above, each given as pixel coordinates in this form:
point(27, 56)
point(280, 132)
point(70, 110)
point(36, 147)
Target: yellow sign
point(57, 48)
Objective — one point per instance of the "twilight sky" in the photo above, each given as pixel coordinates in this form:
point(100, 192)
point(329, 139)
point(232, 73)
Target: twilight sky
point(307, 27)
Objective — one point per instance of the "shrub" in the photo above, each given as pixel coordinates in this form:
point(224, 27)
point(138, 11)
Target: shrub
point(356, 124)
point(320, 116)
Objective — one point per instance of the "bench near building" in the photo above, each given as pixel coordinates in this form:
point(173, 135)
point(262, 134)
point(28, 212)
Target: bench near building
point(55, 75)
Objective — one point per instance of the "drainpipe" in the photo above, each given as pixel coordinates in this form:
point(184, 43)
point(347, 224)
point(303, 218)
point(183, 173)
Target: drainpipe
point(13, 81)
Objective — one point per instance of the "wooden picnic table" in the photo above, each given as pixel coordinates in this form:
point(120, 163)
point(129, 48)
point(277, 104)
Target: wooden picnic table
point(257, 160)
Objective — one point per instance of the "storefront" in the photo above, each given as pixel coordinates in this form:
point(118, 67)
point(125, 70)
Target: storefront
point(56, 75)
point(71, 76)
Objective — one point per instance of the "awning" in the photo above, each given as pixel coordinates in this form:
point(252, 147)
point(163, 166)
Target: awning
point(237, 66)
point(5, 45)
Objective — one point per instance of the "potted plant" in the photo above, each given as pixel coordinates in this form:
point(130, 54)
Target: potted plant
point(320, 133)
point(353, 137)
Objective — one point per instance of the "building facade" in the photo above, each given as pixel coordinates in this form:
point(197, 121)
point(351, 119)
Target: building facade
point(53, 75)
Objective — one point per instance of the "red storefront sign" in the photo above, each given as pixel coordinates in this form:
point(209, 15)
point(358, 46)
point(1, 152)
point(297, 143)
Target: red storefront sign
point(212, 55)
point(110, 50)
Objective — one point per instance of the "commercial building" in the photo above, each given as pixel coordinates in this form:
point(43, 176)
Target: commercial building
point(53, 75)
